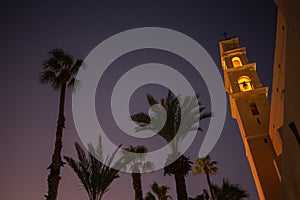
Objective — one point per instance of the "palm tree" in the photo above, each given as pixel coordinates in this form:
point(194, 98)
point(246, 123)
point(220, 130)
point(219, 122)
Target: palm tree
point(207, 167)
point(137, 167)
point(229, 191)
point(94, 175)
point(185, 117)
point(59, 71)
point(159, 191)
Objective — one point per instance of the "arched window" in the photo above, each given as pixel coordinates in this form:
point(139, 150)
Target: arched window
point(245, 83)
point(236, 61)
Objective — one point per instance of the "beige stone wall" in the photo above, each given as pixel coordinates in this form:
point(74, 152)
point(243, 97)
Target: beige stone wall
point(285, 108)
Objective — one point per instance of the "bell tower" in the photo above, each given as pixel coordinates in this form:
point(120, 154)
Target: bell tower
point(250, 107)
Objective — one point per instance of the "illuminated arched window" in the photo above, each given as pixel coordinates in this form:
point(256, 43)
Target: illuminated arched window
point(236, 61)
point(245, 83)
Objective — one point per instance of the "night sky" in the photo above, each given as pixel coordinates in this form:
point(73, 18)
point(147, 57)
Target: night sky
point(29, 110)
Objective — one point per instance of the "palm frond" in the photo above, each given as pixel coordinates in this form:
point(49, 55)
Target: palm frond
point(79, 172)
point(47, 76)
point(151, 100)
point(52, 64)
point(150, 196)
point(141, 118)
point(206, 115)
point(75, 68)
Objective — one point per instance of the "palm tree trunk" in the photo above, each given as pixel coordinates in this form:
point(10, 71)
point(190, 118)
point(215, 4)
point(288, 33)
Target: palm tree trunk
point(210, 186)
point(180, 185)
point(137, 186)
point(57, 163)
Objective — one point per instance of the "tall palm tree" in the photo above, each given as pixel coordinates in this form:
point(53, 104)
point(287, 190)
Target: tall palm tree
point(229, 191)
point(207, 167)
point(94, 175)
point(59, 71)
point(159, 191)
point(185, 117)
point(137, 167)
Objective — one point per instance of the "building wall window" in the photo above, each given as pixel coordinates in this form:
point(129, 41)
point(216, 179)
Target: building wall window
point(245, 83)
point(254, 109)
point(236, 61)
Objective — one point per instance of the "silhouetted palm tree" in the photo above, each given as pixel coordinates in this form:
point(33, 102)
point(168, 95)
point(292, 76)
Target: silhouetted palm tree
point(59, 71)
point(159, 191)
point(185, 118)
point(137, 167)
point(94, 175)
point(229, 191)
point(207, 167)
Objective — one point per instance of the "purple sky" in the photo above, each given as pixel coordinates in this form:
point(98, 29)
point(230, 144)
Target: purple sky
point(29, 110)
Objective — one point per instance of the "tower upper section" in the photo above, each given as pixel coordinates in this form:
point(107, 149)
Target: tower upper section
point(232, 55)
point(239, 74)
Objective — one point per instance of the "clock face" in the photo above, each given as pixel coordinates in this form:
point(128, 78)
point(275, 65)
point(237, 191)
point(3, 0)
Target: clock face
point(230, 46)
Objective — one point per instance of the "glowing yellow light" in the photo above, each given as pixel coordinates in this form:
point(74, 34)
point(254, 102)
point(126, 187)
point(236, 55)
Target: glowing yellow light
point(245, 83)
point(236, 61)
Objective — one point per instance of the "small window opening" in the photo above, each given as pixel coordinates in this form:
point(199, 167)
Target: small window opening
point(236, 61)
point(254, 109)
point(258, 121)
point(245, 83)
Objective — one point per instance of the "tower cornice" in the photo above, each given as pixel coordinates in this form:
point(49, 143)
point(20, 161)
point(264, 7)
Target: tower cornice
point(243, 67)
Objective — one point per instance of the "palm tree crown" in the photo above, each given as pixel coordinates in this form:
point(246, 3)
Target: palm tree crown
point(205, 165)
point(182, 116)
point(159, 191)
point(60, 69)
point(208, 167)
point(94, 175)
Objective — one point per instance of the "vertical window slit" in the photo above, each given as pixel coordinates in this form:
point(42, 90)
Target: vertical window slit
point(254, 109)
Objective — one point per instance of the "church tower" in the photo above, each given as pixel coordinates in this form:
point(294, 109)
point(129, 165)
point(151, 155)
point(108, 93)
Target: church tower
point(250, 107)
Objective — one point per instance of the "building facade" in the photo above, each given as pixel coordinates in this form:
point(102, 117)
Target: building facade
point(285, 113)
